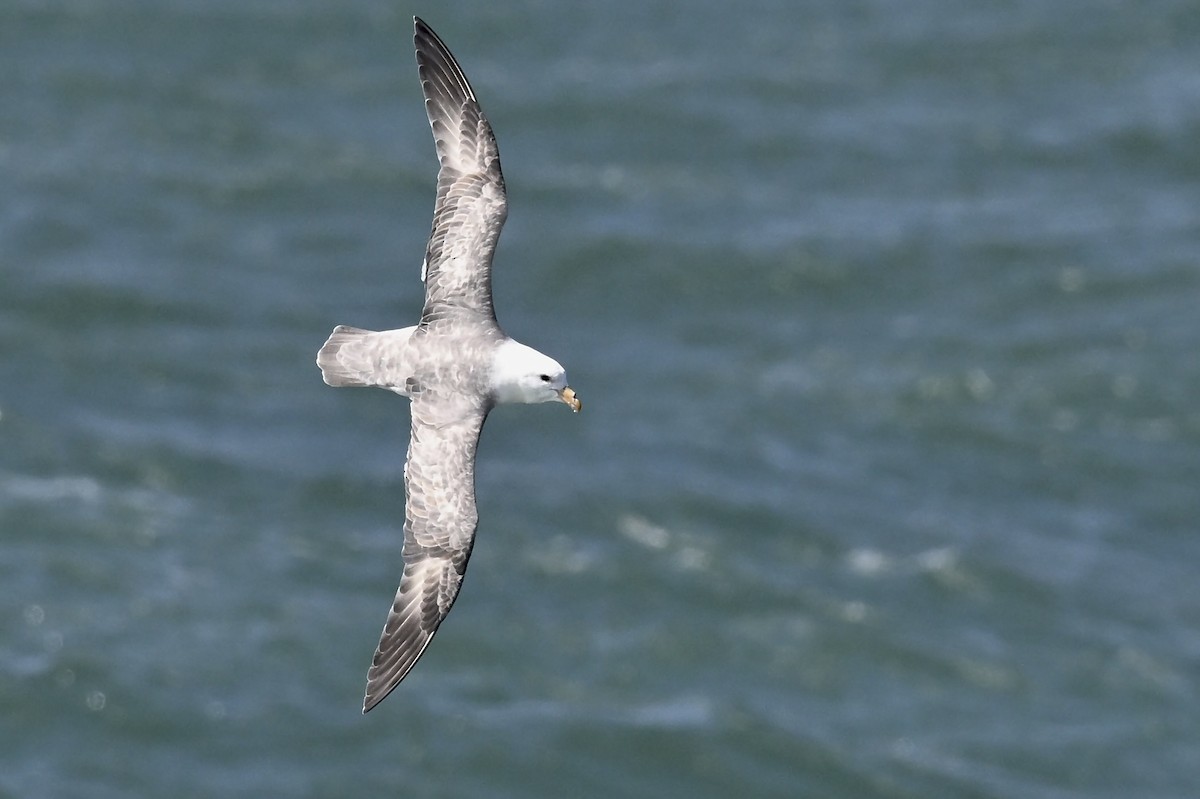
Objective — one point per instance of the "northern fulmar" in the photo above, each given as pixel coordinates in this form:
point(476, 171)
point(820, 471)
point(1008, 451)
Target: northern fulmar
point(455, 366)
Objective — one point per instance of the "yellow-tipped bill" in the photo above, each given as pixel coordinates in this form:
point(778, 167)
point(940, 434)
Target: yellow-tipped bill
point(568, 396)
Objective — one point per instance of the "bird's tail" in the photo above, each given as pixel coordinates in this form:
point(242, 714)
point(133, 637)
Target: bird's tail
point(345, 359)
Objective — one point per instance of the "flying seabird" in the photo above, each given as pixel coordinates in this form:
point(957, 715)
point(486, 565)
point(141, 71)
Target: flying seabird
point(454, 366)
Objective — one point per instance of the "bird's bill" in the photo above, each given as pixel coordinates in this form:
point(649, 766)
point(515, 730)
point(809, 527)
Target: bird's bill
point(568, 396)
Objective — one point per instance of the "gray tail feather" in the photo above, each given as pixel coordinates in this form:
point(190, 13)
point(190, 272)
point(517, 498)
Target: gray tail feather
point(343, 360)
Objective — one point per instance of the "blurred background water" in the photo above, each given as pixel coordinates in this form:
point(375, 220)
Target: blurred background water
point(884, 315)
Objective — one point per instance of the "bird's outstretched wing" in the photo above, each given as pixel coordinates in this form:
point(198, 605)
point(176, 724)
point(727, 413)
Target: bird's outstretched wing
point(439, 531)
point(471, 206)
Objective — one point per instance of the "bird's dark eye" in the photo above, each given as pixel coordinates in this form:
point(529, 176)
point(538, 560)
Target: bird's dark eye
point(545, 378)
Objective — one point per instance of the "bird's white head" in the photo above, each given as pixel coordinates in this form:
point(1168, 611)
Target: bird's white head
point(522, 374)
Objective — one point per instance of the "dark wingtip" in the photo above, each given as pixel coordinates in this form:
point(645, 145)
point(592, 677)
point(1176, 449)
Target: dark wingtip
point(370, 700)
point(435, 59)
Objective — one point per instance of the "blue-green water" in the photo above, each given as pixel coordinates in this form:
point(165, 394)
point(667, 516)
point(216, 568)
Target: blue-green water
point(885, 319)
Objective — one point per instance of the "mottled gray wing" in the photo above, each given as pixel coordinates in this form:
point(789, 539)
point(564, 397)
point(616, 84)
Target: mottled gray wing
point(439, 531)
point(471, 204)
